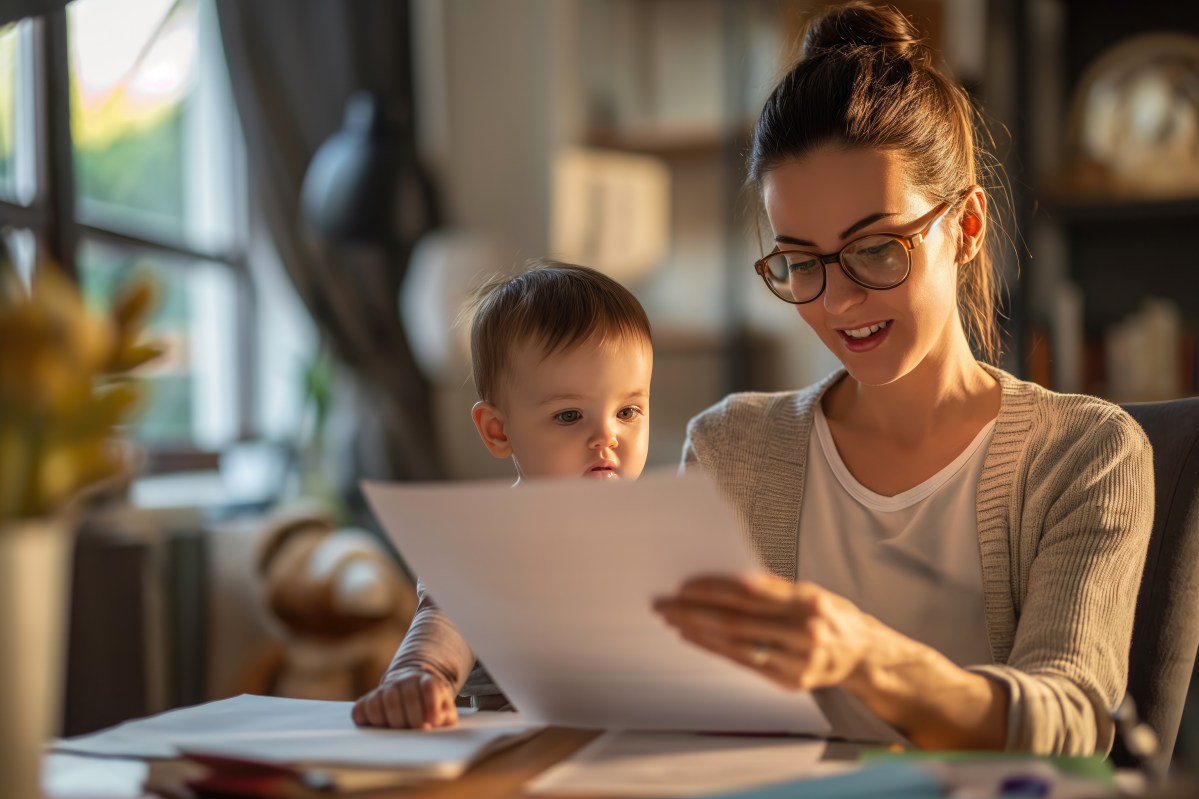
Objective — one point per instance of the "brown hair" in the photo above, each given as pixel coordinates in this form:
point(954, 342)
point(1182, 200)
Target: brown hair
point(865, 80)
point(557, 305)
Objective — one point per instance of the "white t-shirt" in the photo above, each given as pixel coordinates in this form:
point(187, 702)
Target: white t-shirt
point(910, 560)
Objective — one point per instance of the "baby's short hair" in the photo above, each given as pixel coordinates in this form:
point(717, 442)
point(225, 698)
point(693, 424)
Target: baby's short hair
point(555, 304)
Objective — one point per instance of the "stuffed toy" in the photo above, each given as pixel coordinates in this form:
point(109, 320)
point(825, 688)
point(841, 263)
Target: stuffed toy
point(341, 604)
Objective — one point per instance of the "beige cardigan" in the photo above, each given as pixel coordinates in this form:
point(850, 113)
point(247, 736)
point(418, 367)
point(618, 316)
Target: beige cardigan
point(1065, 508)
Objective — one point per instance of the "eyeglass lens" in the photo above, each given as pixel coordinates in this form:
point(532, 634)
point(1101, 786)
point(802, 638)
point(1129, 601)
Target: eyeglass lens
point(878, 262)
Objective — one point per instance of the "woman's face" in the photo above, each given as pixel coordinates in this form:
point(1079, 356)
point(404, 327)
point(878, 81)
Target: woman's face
point(833, 196)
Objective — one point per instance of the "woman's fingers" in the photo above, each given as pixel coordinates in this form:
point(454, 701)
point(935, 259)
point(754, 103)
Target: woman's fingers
point(756, 594)
point(797, 634)
point(785, 667)
point(738, 627)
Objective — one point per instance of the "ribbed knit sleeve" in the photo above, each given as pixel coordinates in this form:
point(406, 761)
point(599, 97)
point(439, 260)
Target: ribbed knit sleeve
point(1081, 509)
point(433, 644)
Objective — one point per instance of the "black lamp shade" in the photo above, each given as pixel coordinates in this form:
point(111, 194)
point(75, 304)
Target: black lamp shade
point(350, 189)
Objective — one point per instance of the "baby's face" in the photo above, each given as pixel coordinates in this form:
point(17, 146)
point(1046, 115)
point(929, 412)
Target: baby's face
point(583, 412)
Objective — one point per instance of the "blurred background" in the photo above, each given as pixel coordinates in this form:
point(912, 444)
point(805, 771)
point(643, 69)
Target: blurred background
point(317, 185)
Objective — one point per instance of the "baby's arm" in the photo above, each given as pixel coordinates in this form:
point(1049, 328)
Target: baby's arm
point(427, 672)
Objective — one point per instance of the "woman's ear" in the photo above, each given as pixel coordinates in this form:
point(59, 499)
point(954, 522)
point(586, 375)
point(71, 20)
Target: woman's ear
point(972, 225)
point(489, 421)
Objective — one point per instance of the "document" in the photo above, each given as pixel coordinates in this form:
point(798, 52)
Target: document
point(653, 764)
point(305, 734)
point(552, 584)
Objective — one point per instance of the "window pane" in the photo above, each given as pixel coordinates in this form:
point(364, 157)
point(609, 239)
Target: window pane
point(17, 155)
point(193, 387)
point(21, 247)
point(151, 120)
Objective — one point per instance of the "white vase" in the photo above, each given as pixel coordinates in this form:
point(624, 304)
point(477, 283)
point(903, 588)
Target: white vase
point(35, 569)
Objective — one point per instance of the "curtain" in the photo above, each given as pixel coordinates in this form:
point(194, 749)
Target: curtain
point(12, 10)
point(293, 64)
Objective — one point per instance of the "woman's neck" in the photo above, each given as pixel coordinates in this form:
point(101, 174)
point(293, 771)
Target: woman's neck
point(948, 386)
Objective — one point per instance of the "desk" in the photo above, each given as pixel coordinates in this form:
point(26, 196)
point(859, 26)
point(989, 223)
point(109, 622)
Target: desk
point(498, 777)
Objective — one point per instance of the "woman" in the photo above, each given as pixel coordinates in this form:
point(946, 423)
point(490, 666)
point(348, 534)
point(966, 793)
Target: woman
point(957, 548)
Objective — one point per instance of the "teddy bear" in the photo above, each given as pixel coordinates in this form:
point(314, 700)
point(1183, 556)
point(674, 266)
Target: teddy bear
point(340, 602)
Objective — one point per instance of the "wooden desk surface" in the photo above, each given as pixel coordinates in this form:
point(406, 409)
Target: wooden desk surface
point(497, 777)
point(502, 775)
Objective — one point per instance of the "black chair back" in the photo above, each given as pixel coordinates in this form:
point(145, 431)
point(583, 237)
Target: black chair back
point(1165, 634)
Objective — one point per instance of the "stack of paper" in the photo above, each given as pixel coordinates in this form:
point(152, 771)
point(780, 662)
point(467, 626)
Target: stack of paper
point(312, 737)
point(652, 764)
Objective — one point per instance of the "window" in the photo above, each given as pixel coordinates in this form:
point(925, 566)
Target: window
point(146, 121)
point(17, 157)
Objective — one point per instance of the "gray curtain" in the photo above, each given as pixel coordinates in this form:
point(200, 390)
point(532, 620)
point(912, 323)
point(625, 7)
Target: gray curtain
point(293, 64)
point(12, 10)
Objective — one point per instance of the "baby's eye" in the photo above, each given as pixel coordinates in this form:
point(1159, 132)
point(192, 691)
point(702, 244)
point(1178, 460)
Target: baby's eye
point(628, 414)
point(567, 417)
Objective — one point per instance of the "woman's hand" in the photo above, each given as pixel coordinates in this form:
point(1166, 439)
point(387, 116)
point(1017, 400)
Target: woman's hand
point(411, 698)
point(804, 637)
point(796, 634)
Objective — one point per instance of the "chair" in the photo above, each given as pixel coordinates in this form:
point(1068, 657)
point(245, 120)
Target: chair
point(1165, 633)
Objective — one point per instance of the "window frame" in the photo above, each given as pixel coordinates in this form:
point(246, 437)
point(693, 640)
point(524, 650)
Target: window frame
point(52, 218)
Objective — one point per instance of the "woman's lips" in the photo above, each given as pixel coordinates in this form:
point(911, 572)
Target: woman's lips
point(865, 344)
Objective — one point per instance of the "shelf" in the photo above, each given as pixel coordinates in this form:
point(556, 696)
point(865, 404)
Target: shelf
point(695, 144)
point(1097, 208)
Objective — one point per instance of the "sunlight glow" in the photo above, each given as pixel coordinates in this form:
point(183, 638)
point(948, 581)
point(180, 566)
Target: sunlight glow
point(114, 92)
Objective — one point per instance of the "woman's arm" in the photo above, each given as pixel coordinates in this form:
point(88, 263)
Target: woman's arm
point(1080, 521)
point(803, 637)
point(936, 703)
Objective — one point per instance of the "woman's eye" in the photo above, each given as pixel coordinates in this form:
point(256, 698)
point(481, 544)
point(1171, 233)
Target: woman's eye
point(880, 249)
point(628, 414)
point(567, 417)
point(806, 265)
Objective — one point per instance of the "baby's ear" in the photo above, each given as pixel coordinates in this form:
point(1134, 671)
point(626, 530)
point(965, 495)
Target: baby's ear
point(489, 421)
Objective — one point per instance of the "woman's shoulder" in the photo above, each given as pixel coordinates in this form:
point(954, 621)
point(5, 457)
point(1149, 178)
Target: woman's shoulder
point(746, 409)
point(1056, 418)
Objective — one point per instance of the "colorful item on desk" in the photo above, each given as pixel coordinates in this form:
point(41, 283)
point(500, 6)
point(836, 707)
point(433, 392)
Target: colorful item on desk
point(1091, 767)
point(893, 780)
point(1009, 774)
point(1024, 785)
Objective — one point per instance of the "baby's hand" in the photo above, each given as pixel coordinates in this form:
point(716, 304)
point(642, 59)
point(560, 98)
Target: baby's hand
point(411, 698)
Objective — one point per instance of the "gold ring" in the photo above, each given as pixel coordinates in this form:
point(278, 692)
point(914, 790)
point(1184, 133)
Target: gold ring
point(759, 655)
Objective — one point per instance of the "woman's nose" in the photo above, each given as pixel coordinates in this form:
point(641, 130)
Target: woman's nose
point(840, 293)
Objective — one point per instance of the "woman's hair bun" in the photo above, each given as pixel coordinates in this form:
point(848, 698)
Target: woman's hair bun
point(859, 24)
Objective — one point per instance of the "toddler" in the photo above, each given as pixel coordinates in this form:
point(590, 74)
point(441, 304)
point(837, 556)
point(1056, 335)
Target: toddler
point(561, 357)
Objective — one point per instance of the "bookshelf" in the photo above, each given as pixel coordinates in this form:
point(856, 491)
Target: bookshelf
point(1108, 253)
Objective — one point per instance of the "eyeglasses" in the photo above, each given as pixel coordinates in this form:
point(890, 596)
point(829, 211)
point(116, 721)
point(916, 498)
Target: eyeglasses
point(878, 261)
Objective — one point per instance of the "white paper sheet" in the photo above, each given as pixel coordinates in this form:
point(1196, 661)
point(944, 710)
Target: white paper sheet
point(301, 731)
point(552, 584)
point(679, 764)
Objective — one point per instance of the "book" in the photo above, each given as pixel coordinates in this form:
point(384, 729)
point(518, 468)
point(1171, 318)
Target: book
point(269, 746)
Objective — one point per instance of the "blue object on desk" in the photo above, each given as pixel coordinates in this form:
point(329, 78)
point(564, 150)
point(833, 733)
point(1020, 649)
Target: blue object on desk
point(893, 780)
point(1029, 786)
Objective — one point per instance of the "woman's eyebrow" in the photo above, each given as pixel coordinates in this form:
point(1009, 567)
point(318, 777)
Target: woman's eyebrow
point(849, 231)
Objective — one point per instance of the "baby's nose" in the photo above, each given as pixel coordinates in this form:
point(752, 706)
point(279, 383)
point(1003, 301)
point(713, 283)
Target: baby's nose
point(604, 438)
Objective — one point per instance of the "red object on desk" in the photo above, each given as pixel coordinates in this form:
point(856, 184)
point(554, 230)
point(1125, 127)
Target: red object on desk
point(231, 776)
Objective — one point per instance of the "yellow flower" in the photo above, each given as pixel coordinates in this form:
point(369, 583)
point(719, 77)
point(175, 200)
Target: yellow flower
point(64, 391)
